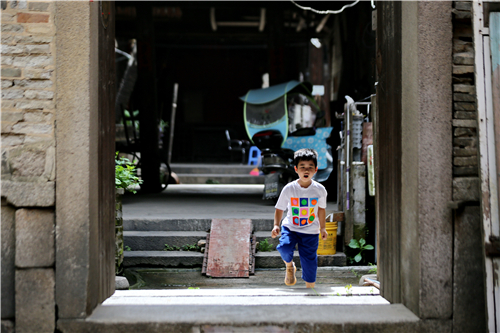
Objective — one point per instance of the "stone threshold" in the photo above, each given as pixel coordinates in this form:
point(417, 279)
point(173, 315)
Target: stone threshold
point(245, 318)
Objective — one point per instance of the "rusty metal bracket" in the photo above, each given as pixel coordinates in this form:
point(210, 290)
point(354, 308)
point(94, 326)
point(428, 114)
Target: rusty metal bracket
point(492, 249)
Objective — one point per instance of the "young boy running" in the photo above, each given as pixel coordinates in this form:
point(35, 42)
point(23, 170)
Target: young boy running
point(306, 203)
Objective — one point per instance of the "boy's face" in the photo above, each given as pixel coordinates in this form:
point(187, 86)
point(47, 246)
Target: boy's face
point(306, 170)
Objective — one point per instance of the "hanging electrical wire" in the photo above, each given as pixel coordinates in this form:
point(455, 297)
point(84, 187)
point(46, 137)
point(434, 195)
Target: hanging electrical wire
point(325, 11)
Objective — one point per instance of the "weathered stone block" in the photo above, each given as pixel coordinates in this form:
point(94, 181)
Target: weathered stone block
point(13, 49)
point(462, 46)
point(34, 238)
point(465, 171)
point(11, 140)
point(461, 69)
point(38, 117)
point(35, 104)
point(33, 84)
point(38, 73)
point(464, 115)
point(38, 138)
point(463, 106)
point(33, 39)
point(465, 161)
point(465, 88)
point(12, 117)
point(464, 123)
point(32, 128)
point(463, 5)
point(465, 142)
point(32, 18)
point(7, 83)
point(12, 93)
point(35, 301)
point(463, 58)
point(27, 194)
point(11, 72)
point(38, 6)
point(27, 162)
point(37, 49)
point(462, 79)
point(468, 308)
point(465, 131)
point(8, 260)
point(466, 189)
point(12, 28)
point(459, 152)
point(7, 60)
point(460, 97)
point(7, 17)
point(460, 14)
point(33, 61)
point(39, 94)
point(40, 29)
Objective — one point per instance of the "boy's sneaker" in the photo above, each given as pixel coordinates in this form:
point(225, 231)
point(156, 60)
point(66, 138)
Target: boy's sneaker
point(290, 278)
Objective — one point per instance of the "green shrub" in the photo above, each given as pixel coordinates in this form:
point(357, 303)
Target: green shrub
point(125, 174)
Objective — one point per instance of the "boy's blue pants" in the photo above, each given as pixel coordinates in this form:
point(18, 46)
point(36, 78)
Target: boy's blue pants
point(308, 247)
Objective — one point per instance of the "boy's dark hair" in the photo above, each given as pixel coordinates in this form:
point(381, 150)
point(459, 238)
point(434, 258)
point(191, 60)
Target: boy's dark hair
point(305, 154)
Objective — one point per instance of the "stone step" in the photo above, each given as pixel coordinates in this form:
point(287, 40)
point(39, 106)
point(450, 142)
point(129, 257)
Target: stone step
point(186, 168)
point(156, 240)
point(195, 259)
point(184, 278)
point(130, 224)
point(203, 178)
point(162, 258)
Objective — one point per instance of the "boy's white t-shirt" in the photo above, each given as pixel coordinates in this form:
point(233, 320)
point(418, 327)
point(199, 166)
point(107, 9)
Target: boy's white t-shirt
point(302, 204)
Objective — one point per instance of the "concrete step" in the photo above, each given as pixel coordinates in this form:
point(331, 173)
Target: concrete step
point(184, 278)
point(195, 259)
point(204, 178)
point(156, 240)
point(273, 259)
point(135, 224)
point(186, 168)
point(162, 258)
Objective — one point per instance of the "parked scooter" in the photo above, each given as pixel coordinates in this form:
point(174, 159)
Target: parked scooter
point(267, 125)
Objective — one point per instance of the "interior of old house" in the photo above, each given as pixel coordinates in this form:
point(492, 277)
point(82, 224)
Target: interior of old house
point(217, 51)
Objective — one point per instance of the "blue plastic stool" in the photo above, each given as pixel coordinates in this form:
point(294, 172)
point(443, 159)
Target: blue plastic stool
point(253, 156)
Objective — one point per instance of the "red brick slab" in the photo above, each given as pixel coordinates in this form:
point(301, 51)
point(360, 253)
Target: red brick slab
point(229, 249)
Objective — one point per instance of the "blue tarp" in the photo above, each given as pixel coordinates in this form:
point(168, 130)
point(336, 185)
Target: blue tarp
point(266, 95)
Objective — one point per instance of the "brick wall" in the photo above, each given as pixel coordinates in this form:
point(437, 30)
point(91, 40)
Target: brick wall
point(28, 165)
point(465, 141)
point(468, 278)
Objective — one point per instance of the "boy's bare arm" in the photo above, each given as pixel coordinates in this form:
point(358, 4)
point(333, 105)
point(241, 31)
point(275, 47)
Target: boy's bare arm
point(322, 223)
point(278, 215)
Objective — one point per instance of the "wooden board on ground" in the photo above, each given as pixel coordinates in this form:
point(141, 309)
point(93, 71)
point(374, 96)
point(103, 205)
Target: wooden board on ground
point(229, 250)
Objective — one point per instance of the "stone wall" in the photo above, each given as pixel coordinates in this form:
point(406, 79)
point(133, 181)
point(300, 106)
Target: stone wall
point(28, 149)
point(468, 281)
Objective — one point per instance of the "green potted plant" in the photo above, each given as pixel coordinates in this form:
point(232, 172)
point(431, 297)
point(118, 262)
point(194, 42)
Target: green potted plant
point(125, 180)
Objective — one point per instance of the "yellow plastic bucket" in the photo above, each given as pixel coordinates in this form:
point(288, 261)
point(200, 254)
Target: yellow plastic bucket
point(328, 246)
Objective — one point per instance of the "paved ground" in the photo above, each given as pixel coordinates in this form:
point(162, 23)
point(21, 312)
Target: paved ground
point(245, 296)
point(202, 202)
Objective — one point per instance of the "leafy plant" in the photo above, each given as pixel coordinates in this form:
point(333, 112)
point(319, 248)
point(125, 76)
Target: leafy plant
point(373, 269)
point(356, 274)
point(125, 174)
point(134, 115)
point(361, 245)
point(264, 246)
point(171, 248)
point(191, 247)
point(348, 289)
point(127, 248)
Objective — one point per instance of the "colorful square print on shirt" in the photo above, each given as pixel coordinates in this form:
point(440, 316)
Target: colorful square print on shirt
point(303, 210)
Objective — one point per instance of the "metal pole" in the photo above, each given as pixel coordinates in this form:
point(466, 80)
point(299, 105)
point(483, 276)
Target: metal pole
point(172, 123)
